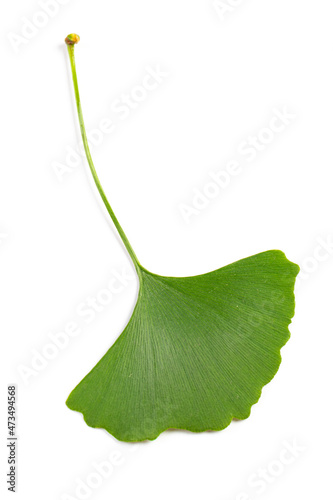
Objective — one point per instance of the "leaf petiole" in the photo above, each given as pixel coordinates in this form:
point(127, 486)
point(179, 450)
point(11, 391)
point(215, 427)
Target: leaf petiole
point(71, 40)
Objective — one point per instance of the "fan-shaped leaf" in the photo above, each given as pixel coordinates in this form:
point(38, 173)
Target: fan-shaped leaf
point(196, 352)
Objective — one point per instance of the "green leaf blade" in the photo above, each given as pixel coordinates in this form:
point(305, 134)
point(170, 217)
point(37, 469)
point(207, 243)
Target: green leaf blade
point(196, 352)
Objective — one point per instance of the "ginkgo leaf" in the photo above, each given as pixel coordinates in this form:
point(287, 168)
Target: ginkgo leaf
point(197, 351)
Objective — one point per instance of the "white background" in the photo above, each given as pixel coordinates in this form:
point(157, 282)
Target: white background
point(226, 74)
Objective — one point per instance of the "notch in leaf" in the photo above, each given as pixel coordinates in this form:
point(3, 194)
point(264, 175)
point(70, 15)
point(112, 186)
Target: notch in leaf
point(197, 350)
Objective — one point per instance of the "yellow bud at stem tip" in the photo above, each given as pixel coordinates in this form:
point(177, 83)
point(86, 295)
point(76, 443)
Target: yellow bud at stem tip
point(72, 39)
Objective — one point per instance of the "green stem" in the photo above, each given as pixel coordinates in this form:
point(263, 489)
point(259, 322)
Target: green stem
point(91, 165)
